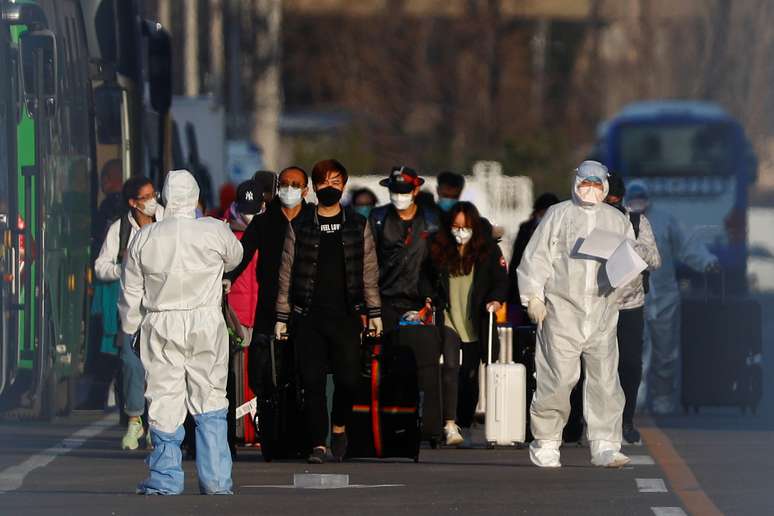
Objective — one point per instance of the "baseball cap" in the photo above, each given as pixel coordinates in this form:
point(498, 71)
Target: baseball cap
point(249, 198)
point(402, 180)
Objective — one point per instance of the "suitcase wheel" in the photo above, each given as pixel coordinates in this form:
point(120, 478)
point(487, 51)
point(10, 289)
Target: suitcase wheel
point(491, 445)
point(433, 443)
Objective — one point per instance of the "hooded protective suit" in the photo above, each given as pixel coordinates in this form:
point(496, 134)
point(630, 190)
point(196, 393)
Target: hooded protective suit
point(171, 291)
point(580, 321)
point(662, 304)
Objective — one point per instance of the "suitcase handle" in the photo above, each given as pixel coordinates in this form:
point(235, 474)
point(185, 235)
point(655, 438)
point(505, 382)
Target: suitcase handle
point(489, 338)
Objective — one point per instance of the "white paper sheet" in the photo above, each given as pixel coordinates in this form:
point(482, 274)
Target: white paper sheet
point(601, 243)
point(624, 265)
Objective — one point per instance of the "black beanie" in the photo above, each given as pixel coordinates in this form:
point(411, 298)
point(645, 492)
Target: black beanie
point(617, 187)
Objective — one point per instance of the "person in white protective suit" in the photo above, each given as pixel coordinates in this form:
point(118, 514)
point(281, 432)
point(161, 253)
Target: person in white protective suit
point(570, 299)
point(171, 291)
point(661, 349)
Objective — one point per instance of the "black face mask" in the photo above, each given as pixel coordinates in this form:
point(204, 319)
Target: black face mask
point(329, 196)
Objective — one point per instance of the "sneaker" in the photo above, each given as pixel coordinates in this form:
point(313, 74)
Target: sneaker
point(631, 435)
point(317, 456)
point(610, 459)
point(452, 434)
point(339, 446)
point(134, 432)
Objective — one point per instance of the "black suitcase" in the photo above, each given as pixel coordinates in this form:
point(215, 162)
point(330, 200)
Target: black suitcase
point(721, 352)
point(426, 343)
point(279, 417)
point(524, 353)
point(385, 418)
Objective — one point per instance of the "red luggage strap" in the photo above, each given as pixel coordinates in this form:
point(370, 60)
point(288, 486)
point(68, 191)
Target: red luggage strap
point(375, 416)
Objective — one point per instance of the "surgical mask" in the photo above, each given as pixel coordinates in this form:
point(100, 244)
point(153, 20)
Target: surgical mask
point(328, 196)
point(401, 201)
point(462, 235)
point(289, 196)
point(149, 207)
point(248, 217)
point(638, 205)
point(446, 203)
point(591, 195)
point(364, 210)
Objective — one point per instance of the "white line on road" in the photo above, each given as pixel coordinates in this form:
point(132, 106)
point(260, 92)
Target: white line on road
point(668, 511)
point(651, 485)
point(12, 478)
point(641, 460)
point(351, 486)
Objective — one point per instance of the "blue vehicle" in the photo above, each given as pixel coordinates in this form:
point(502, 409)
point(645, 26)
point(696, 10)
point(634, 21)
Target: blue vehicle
point(697, 163)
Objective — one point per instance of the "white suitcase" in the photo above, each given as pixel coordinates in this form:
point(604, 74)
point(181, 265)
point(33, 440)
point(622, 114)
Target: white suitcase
point(506, 394)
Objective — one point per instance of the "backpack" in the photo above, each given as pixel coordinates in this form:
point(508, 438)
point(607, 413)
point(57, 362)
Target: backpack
point(635, 218)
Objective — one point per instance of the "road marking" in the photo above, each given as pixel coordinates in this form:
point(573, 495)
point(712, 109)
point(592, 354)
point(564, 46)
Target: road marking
point(668, 511)
point(641, 460)
point(12, 478)
point(350, 486)
point(651, 485)
point(680, 476)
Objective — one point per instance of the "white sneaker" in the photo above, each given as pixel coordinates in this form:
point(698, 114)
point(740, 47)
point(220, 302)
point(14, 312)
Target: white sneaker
point(452, 434)
point(545, 454)
point(134, 432)
point(610, 459)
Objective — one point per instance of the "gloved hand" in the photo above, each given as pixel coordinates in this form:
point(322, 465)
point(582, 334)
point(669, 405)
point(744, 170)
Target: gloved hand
point(375, 325)
point(226, 285)
point(713, 266)
point(280, 330)
point(536, 309)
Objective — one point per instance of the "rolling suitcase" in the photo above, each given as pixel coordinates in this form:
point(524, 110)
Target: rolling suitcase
point(279, 415)
point(505, 420)
point(385, 418)
point(721, 351)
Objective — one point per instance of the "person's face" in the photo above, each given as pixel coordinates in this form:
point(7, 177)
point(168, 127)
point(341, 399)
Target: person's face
point(592, 184)
point(460, 221)
point(613, 199)
point(294, 179)
point(145, 194)
point(332, 179)
point(364, 199)
point(449, 192)
point(112, 181)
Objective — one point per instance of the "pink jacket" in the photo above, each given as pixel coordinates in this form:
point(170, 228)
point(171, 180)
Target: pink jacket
point(243, 297)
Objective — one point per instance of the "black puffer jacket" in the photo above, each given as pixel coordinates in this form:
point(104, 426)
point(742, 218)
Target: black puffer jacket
point(298, 271)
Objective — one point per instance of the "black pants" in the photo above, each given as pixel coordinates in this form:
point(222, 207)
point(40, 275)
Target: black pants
point(327, 343)
point(450, 373)
point(473, 355)
point(630, 330)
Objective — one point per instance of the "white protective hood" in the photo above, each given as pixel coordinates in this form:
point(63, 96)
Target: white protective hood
point(181, 194)
point(587, 169)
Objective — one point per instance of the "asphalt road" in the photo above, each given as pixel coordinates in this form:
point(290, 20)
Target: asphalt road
point(717, 461)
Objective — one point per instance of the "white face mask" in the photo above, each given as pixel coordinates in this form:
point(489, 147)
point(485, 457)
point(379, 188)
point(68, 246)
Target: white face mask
point(289, 196)
point(462, 235)
point(591, 195)
point(401, 201)
point(149, 207)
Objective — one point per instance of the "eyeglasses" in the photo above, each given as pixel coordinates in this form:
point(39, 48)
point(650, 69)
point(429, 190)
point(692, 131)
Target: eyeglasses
point(292, 184)
point(154, 195)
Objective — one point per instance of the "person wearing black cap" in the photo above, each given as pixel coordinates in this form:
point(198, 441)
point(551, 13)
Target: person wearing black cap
point(631, 314)
point(403, 231)
point(526, 229)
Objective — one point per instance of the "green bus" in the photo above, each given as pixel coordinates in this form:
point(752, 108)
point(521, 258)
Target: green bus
point(71, 99)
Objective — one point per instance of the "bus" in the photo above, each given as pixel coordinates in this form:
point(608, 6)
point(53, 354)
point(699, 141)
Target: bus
point(71, 97)
point(698, 164)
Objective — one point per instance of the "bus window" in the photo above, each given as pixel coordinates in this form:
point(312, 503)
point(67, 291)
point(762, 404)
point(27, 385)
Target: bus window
point(677, 150)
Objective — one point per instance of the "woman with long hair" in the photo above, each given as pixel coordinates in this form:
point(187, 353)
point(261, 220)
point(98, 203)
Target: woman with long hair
point(473, 281)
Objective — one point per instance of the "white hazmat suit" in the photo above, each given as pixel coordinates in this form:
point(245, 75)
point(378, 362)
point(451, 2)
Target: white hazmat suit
point(661, 348)
point(580, 319)
point(171, 292)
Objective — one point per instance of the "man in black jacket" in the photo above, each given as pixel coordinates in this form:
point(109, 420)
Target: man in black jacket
point(403, 231)
point(329, 280)
point(265, 235)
